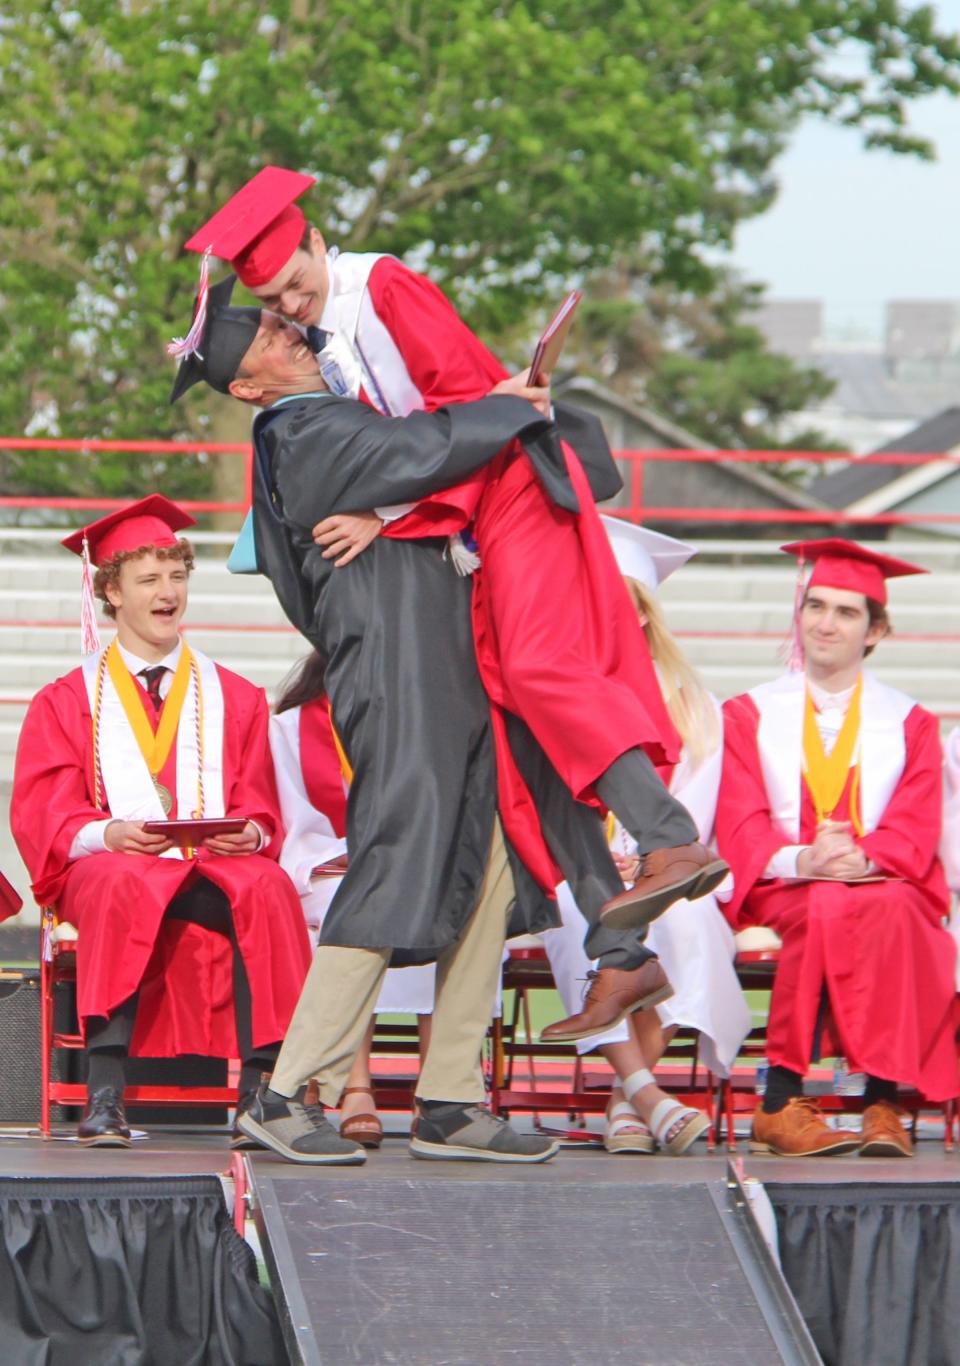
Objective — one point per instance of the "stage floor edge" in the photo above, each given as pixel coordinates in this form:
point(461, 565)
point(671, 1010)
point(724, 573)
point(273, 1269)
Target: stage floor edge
point(422, 1267)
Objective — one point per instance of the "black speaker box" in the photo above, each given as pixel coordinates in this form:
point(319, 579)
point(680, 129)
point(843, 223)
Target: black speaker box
point(20, 1061)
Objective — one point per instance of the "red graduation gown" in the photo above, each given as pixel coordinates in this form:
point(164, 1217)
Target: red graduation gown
point(117, 901)
point(320, 764)
point(557, 638)
point(880, 949)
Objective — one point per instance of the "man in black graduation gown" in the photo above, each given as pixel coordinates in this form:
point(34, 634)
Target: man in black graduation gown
point(401, 676)
point(394, 628)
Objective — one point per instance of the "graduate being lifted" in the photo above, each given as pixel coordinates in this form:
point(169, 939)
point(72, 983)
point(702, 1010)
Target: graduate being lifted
point(196, 950)
point(559, 649)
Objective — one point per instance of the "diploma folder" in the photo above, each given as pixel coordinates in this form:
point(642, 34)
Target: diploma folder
point(552, 339)
point(335, 867)
point(188, 834)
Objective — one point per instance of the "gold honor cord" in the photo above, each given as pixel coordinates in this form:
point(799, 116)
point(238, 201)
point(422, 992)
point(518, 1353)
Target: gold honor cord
point(345, 768)
point(155, 748)
point(827, 777)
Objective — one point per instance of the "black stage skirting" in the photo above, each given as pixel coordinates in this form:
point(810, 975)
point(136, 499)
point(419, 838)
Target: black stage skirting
point(875, 1269)
point(112, 1272)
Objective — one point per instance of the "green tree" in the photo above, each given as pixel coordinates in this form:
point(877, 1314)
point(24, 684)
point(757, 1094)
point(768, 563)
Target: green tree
point(698, 358)
point(508, 149)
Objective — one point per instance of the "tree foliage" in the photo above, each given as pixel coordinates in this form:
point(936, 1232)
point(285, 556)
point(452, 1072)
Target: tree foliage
point(697, 358)
point(506, 148)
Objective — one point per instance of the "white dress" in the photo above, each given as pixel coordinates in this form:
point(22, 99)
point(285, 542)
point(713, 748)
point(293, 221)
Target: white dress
point(692, 940)
point(310, 841)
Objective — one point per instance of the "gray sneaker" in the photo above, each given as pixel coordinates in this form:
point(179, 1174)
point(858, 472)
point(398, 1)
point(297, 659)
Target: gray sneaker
point(471, 1133)
point(298, 1132)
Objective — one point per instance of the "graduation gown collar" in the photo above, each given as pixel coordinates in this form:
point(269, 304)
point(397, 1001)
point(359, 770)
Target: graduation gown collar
point(882, 751)
point(129, 789)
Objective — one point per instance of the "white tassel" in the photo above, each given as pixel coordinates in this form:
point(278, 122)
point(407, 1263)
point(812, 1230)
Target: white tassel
point(89, 634)
point(189, 345)
point(464, 560)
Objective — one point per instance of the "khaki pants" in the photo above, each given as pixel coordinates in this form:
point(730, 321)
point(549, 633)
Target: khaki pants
point(341, 990)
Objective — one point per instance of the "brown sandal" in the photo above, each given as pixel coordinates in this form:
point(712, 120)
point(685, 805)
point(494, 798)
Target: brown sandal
point(364, 1128)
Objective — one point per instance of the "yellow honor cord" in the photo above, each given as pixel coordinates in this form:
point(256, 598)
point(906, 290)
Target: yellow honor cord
point(345, 768)
point(155, 748)
point(827, 776)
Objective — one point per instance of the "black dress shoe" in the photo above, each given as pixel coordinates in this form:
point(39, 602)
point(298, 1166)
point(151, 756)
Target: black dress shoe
point(104, 1124)
point(238, 1139)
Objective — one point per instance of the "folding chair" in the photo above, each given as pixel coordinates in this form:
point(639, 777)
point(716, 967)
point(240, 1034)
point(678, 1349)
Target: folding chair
point(757, 955)
point(58, 968)
point(527, 969)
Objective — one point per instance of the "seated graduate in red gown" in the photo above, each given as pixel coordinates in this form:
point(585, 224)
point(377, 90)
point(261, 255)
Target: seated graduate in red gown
point(830, 814)
point(578, 677)
point(181, 950)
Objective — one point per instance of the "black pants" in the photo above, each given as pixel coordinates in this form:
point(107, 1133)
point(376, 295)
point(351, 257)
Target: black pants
point(207, 905)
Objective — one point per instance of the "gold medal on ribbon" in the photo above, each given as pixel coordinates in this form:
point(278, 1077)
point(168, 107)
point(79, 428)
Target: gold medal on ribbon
point(155, 747)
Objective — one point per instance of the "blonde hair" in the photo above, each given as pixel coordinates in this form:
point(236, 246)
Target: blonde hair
point(690, 706)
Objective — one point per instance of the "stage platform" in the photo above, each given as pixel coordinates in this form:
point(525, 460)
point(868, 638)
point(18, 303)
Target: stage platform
point(183, 1153)
point(586, 1258)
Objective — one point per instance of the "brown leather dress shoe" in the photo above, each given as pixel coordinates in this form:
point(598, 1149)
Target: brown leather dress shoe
point(666, 875)
point(613, 995)
point(799, 1130)
point(883, 1134)
point(104, 1123)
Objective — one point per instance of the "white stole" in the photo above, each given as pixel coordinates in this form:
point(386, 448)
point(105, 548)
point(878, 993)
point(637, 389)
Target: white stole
point(128, 786)
point(881, 749)
point(359, 342)
point(363, 347)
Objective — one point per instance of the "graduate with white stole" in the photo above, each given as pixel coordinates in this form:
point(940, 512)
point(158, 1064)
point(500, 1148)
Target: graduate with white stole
point(183, 948)
point(830, 814)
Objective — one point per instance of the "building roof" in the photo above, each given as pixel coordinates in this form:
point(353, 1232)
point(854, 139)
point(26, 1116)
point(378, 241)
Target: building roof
point(671, 436)
point(886, 485)
point(865, 383)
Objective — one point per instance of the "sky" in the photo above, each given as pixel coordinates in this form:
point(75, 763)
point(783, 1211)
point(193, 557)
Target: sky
point(855, 228)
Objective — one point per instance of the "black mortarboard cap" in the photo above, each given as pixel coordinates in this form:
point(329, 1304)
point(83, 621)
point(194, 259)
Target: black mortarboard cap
point(217, 342)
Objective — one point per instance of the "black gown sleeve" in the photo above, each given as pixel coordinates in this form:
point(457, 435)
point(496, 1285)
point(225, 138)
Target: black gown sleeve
point(339, 455)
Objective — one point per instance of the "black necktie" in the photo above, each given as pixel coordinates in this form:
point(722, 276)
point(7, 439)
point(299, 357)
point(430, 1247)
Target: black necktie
point(152, 678)
point(317, 339)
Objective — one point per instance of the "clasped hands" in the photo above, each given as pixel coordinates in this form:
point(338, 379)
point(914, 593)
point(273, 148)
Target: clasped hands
point(833, 853)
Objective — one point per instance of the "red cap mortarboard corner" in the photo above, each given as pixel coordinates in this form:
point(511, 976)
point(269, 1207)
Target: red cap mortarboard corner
point(153, 521)
point(260, 228)
point(844, 564)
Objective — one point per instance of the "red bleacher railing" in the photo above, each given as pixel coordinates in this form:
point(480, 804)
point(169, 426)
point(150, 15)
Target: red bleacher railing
point(637, 459)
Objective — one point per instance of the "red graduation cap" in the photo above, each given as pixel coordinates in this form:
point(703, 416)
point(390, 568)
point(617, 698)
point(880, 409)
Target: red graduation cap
point(153, 521)
point(260, 228)
point(844, 564)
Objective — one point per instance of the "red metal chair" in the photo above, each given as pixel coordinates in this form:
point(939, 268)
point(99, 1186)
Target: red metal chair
point(58, 966)
point(588, 1090)
point(758, 952)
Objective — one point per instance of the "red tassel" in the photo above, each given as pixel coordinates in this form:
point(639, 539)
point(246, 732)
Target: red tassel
point(89, 634)
point(189, 345)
